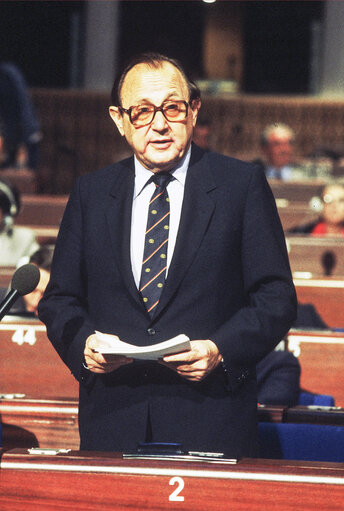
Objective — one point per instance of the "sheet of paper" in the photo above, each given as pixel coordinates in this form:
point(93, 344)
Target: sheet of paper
point(111, 345)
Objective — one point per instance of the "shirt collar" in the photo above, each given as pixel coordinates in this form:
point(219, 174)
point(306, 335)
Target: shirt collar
point(142, 175)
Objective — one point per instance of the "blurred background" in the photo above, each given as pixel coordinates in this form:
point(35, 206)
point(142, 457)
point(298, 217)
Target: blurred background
point(256, 63)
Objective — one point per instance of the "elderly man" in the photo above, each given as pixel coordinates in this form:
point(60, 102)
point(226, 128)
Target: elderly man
point(172, 241)
point(277, 142)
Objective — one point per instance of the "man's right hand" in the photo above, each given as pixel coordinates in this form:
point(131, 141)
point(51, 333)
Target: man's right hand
point(98, 363)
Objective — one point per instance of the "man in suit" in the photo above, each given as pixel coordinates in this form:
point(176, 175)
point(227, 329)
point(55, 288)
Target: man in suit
point(227, 283)
point(277, 143)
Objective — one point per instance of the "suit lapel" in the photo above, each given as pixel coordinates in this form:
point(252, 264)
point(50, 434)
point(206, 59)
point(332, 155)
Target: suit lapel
point(197, 210)
point(118, 215)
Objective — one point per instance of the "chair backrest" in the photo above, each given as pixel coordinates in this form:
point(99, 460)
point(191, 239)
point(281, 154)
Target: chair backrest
point(308, 442)
point(308, 399)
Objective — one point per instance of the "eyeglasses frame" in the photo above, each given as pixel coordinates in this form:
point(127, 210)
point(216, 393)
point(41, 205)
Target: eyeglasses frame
point(156, 109)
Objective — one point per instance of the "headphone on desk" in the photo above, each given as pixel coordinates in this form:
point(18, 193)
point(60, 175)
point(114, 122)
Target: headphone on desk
point(9, 212)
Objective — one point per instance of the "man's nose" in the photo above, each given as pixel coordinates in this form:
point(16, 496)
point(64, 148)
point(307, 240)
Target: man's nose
point(159, 122)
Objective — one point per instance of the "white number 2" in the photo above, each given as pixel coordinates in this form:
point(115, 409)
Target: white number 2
point(175, 497)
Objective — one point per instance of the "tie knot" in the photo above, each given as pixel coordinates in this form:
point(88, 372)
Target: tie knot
point(161, 179)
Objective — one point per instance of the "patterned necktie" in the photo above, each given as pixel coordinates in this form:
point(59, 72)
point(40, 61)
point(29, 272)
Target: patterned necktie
point(155, 252)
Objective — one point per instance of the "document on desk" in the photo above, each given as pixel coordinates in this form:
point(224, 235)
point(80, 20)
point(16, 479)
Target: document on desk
point(110, 345)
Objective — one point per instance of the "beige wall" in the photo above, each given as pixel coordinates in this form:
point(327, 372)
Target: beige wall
point(222, 44)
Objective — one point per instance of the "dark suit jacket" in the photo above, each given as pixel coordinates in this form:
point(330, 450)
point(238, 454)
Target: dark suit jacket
point(229, 281)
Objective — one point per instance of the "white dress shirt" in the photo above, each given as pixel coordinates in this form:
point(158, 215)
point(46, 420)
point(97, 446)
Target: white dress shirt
point(142, 195)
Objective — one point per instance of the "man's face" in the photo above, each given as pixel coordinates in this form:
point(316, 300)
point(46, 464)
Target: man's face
point(333, 199)
point(279, 150)
point(161, 144)
point(32, 299)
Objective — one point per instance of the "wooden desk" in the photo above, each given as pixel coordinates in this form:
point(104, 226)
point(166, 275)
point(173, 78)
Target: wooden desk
point(319, 256)
point(324, 415)
point(29, 364)
point(327, 295)
point(25, 180)
point(39, 423)
point(6, 274)
point(45, 235)
point(298, 191)
point(106, 481)
point(293, 213)
point(46, 210)
point(321, 356)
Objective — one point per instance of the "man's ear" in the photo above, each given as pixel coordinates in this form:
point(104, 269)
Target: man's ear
point(195, 106)
point(117, 118)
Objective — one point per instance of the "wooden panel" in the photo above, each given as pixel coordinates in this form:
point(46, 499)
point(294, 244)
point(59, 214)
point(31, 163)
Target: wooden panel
point(293, 214)
point(318, 256)
point(44, 210)
point(324, 415)
point(24, 180)
point(298, 191)
point(6, 274)
point(327, 295)
point(82, 481)
point(39, 423)
point(321, 356)
point(45, 235)
point(79, 136)
point(29, 364)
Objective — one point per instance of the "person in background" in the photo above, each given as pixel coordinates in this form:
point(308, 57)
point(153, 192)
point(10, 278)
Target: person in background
point(278, 374)
point(208, 273)
point(277, 144)
point(22, 128)
point(27, 304)
point(278, 379)
point(331, 221)
point(15, 242)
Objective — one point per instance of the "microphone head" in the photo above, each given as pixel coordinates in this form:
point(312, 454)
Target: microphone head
point(25, 279)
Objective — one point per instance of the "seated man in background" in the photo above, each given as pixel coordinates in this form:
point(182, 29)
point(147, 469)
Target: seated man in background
point(27, 304)
point(278, 379)
point(15, 242)
point(277, 143)
point(278, 374)
point(23, 133)
point(331, 220)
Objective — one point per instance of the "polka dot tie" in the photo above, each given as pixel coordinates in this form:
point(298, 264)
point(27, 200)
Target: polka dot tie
point(155, 252)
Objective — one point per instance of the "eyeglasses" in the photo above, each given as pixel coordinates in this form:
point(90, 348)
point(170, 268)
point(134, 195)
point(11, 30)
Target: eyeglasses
point(142, 115)
point(329, 199)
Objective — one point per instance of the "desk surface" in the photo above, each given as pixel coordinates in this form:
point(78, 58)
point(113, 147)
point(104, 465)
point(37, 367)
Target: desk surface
point(92, 481)
point(319, 256)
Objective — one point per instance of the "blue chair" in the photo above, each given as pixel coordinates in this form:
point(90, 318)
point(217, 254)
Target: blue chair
point(307, 442)
point(309, 399)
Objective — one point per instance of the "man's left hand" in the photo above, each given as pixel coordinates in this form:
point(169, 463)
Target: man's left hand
point(196, 364)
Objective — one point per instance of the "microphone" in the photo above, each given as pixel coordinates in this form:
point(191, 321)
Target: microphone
point(24, 281)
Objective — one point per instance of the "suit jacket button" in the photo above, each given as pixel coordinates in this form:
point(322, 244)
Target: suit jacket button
point(151, 331)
